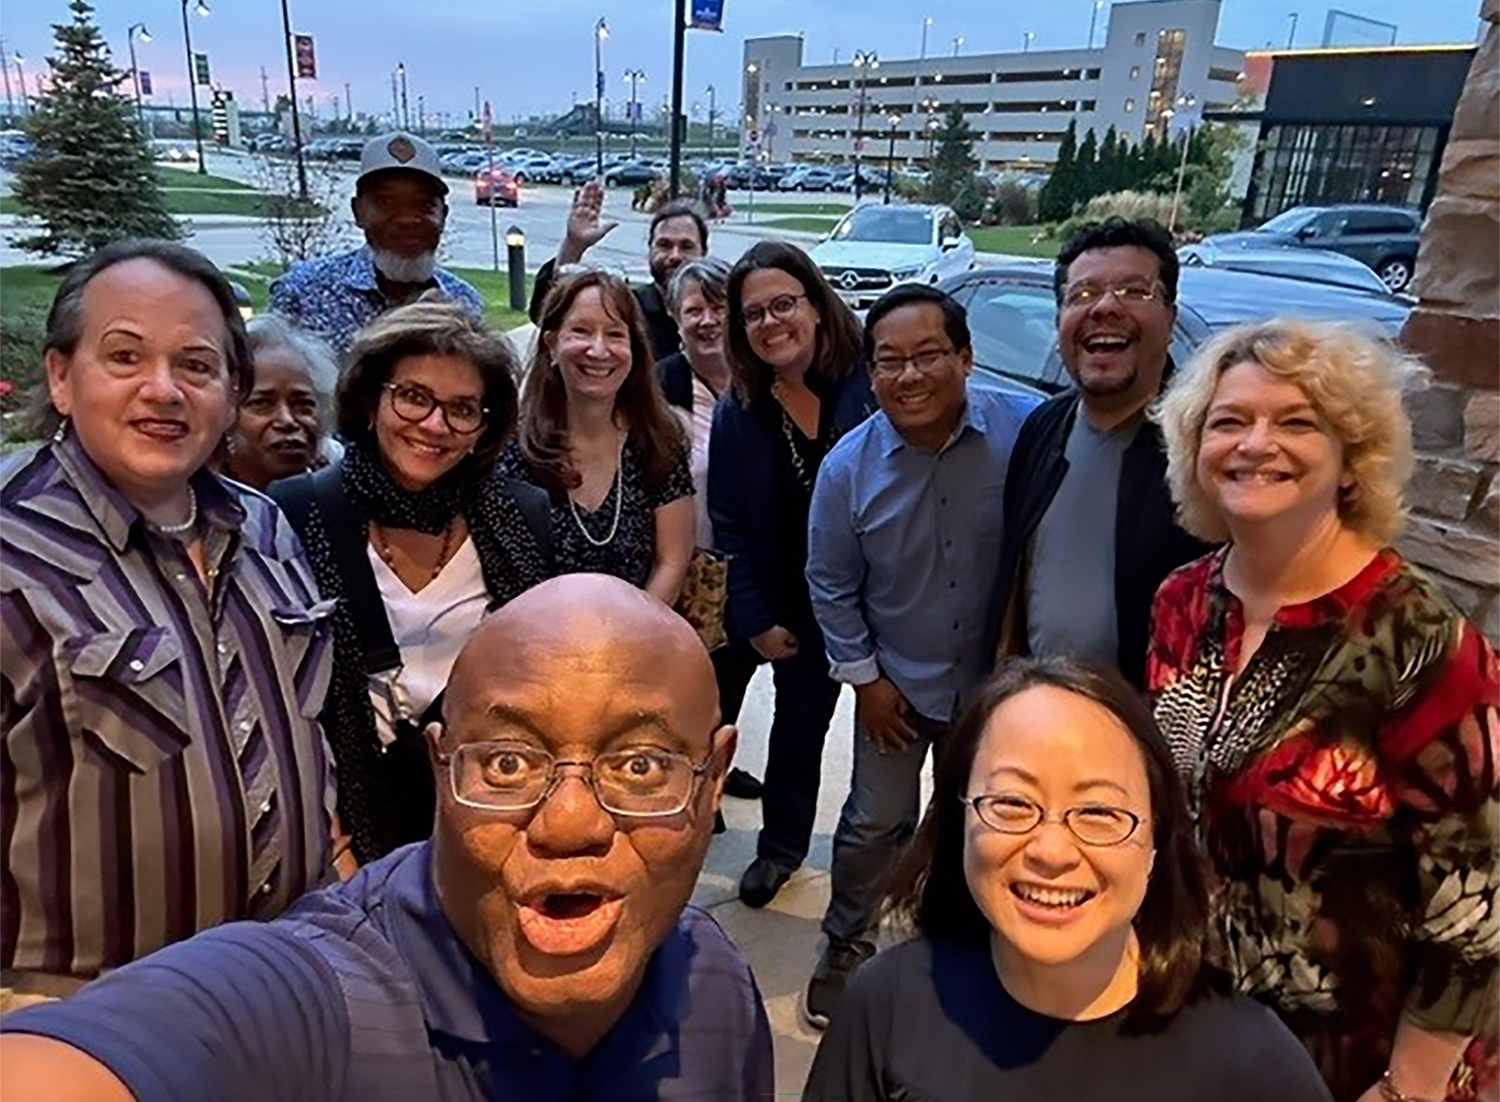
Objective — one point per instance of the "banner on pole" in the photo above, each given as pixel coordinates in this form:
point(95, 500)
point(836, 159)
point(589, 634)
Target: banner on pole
point(145, 78)
point(200, 69)
point(307, 62)
point(707, 15)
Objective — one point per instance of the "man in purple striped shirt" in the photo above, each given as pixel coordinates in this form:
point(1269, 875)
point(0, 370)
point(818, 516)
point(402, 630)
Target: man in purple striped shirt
point(540, 946)
point(165, 652)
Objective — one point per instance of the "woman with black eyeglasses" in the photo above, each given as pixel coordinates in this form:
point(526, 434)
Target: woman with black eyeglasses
point(419, 538)
point(1059, 909)
point(794, 349)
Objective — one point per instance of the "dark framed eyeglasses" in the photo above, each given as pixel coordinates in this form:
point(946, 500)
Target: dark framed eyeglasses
point(636, 782)
point(1091, 824)
point(926, 363)
point(779, 308)
point(415, 404)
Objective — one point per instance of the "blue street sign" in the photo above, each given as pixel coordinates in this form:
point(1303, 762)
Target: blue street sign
point(145, 76)
point(708, 15)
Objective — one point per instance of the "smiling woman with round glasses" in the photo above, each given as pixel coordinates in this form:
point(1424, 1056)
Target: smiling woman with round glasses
point(420, 538)
point(1060, 910)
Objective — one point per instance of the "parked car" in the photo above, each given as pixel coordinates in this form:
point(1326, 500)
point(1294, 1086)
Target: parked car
point(807, 178)
point(1384, 237)
point(531, 166)
point(468, 164)
point(630, 174)
point(14, 149)
point(496, 185)
point(875, 247)
point(1317, 265)
point(1013, 314)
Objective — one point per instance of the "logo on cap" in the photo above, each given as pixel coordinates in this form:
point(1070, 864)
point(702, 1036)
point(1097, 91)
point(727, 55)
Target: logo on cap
point(401, 149)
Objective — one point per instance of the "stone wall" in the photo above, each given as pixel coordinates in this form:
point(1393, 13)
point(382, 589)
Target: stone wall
point(1454, 530)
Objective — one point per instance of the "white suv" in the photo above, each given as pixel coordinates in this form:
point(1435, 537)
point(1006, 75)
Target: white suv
point(875, 247)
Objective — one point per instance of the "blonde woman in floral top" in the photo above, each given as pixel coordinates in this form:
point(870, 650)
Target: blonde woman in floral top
point(1334, 717)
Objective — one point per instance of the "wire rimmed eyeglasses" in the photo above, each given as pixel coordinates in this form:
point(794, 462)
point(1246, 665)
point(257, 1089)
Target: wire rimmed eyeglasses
point(1091, 824)
point(635, 782)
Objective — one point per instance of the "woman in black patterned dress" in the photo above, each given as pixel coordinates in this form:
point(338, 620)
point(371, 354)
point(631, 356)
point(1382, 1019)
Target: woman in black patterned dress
point(597, 435)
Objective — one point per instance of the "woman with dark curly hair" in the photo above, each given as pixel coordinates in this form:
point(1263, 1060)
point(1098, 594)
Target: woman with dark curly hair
point(1060, 910)
point(419, 537)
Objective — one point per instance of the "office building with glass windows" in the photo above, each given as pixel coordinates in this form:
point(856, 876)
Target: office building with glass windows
point(1157, 70)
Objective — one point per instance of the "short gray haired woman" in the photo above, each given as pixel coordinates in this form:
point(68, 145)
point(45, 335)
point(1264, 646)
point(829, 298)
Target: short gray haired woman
point(282, 421)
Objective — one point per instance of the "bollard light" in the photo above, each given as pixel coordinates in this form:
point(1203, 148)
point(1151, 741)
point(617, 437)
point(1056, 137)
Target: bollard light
point(515, 237)
point(515, 242)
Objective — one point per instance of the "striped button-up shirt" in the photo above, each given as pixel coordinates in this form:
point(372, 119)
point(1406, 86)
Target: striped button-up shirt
point(162, 769)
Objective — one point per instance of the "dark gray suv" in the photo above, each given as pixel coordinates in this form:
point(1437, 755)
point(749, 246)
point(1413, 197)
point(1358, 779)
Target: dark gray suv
point(1384, 237)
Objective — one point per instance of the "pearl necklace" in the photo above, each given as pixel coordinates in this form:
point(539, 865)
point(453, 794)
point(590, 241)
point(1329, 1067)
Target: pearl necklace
point(186, 526)
point(389, 556)
point(616, 485)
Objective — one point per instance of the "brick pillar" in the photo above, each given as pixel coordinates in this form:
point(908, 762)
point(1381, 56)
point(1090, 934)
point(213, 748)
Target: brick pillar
point(1454, 531)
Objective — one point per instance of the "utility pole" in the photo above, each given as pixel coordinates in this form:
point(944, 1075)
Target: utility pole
point(1291, 34)
point(864, 61)
point(348, 104)
point(405, 103)
point(635, 76)
point(395, 103)
point(679, 46)
point(265, 92)
point(601, 32)
point(10, 106)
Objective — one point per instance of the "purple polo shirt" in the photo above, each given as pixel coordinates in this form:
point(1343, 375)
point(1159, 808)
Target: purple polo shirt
point(364, 991)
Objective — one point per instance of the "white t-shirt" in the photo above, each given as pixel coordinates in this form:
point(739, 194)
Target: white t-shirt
point(429, 628)
point(698, 426)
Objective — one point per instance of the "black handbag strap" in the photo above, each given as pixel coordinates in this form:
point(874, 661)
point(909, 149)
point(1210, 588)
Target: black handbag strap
point(346, 538)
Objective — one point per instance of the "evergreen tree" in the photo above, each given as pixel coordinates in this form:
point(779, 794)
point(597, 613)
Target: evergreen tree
point(1055, 200)
point(953, 165)
point(1143, 165)
point(91, 180)
point(1087, 168)
point(1109, 162)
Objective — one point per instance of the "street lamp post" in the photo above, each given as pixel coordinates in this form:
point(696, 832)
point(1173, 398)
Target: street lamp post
point(1026, 38)
point(187, 38)
point(405, 103)
point(291, 87)
point(1187, 101)
point(21, 76)
point(601, 32)
point(635, 76)
point(864, 61)
point(710, 122)
point(890, 156)
point(135, 71)
point(957, 42)
point(926, 25)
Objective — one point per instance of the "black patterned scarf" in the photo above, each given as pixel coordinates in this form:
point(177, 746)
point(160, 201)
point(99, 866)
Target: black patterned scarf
point(509, 556)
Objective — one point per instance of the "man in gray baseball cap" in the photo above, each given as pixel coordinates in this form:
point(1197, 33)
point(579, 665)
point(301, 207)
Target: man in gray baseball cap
point(400, 203)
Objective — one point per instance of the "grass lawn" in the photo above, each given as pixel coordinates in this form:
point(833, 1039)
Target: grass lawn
point(807, 225)
point(494, 288)
point(1015, 240)
point(186, 201)
point(838, 210)
point(187, 179)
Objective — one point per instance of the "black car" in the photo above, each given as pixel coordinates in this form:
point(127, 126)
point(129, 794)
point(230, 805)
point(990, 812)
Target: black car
point(1013, 314)
point(630, 174)
point(1384, 237)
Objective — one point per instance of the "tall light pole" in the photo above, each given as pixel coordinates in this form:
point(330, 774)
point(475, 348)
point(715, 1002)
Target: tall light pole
point(291, 88)
point(890, 156)
point(21, 76)
point(601, 32)
point(1026, 38)
point(957, 43)
point(710, 122)
point(926, 25)
point(10, 105)
point(1094, 21)
point(635, 76)
point(135, 71)
point(864, 61)
point(1186, 102)
point(192, 83)
point(405, 103)
point(1291, 34)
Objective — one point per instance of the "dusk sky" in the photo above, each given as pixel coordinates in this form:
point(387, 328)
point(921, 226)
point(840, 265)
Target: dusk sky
point(536, 55)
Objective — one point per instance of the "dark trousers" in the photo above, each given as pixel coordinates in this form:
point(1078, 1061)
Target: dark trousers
point(805, 699)
point(734, 665)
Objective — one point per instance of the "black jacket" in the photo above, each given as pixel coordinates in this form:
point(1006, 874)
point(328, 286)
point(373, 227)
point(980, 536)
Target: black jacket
point(675, 375)
point(661, 330)
point(1148, 543)
point(741, 493)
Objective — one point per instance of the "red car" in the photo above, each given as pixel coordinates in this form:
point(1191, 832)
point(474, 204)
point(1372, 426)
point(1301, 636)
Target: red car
point(496, 185)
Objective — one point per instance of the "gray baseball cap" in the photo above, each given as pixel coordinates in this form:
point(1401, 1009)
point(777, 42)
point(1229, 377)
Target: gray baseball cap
point(400, 150)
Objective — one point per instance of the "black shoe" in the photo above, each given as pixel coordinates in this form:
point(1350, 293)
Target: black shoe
point(836, 967)
point(742, 786)
point(761, 882)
